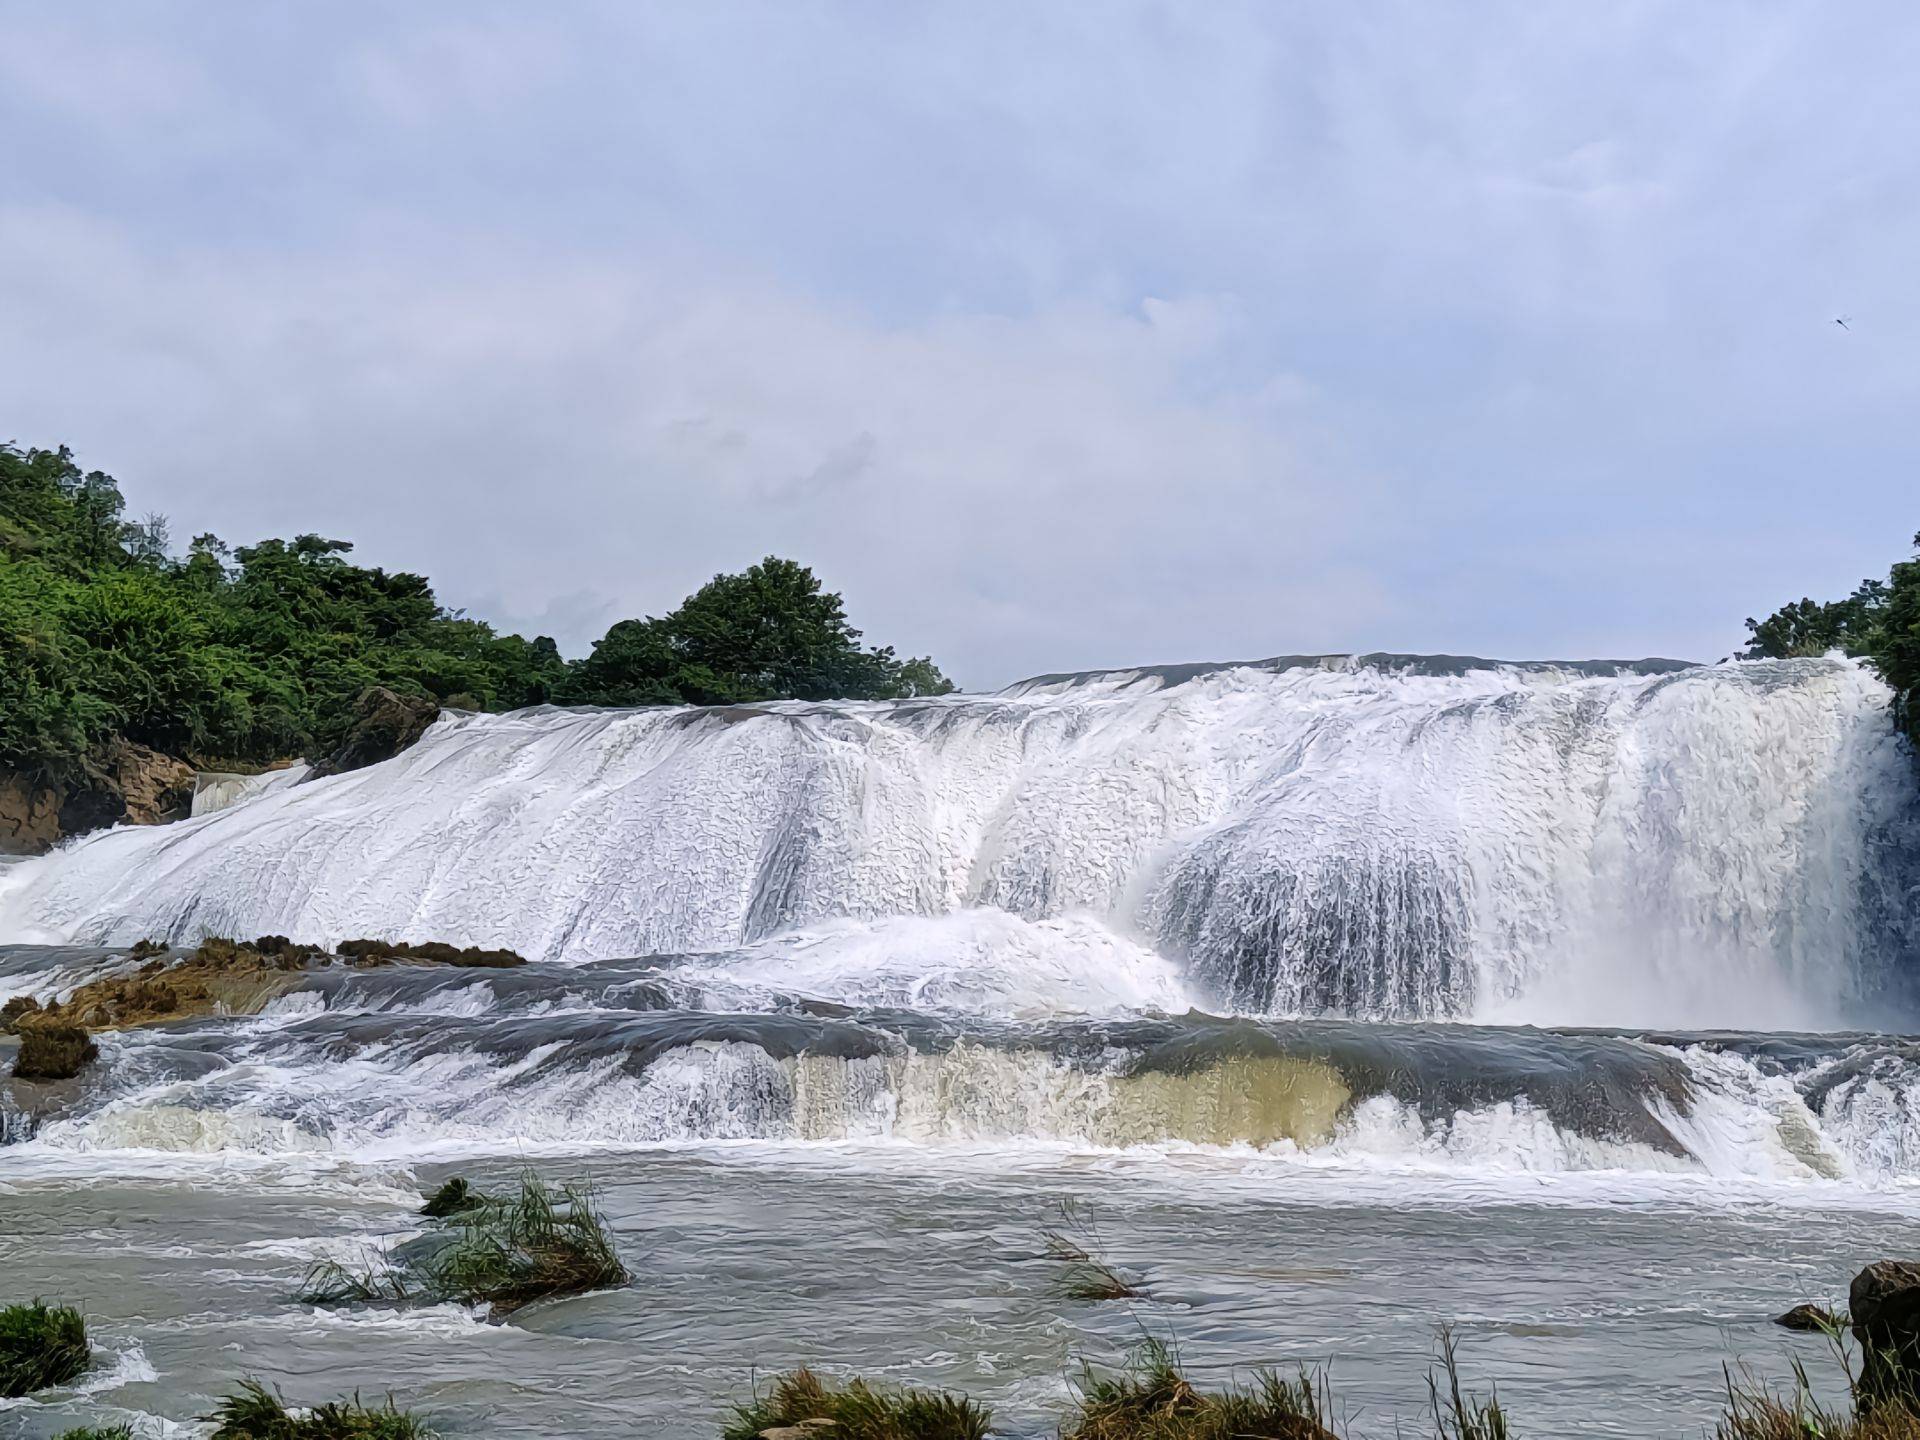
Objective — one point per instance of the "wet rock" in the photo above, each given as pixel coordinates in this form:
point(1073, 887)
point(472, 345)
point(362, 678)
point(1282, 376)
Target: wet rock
point(1808, 1317)
point(29, 815)
point(15, 1010)
point(1884, 1303)
point(451, 1199)
point(384, 723)
point(52, 1049)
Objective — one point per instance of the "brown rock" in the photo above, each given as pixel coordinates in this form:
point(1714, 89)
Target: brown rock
point(123, 783)
point(29, 815)
point(1808, 1317)
point(436, 952)
point(384, 723)
point(1884, 1301)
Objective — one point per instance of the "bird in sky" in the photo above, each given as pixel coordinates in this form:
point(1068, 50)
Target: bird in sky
point(1841, 321)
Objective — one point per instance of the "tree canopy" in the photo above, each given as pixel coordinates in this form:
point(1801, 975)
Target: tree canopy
point(1879, 622)
point(255, 653)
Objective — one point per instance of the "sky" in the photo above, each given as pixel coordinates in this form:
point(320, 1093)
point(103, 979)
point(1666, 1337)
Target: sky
point(1053, 336)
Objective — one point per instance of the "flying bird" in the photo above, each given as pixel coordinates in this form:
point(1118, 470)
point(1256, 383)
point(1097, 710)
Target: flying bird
point(1841, 321)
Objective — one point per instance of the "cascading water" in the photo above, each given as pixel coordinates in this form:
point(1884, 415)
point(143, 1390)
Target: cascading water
point(1216, 905)
point(1386, 837)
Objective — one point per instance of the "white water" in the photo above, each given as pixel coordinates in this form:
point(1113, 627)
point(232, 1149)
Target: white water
point(1728, 845)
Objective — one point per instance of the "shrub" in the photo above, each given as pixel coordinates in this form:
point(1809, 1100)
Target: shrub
point(505, 1253)
point(97, 1432)
point(52, 1050)
point(40, 1346)
point(1152, 1400)
point(856, 1411)
point(255, 1413)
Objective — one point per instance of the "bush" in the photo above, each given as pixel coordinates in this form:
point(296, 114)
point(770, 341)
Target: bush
point(505, 1253)
point(52, 1050)
point(257, 1414)
point(858, 1412)
point(97, 1432)
point(39, 1347)
point(1152, 1400)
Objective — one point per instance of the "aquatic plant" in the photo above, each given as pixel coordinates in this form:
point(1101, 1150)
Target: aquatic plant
point(40, 1345)
point(256, 1413)
point(1151, 1400)
point(1457, 1416)
point(1077, 1246)
point(857, 1411)
point(504, 1252)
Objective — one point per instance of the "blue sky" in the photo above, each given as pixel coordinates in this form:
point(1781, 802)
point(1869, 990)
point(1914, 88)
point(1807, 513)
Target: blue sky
point(1053, 335)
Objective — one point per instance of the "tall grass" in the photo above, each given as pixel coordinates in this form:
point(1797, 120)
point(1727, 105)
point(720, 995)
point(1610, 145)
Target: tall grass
point(1151, 1400)
point(1457, 1416)
point(503, 1252)
point(256, 1413)
point(855, 1411)
point(40, 1346)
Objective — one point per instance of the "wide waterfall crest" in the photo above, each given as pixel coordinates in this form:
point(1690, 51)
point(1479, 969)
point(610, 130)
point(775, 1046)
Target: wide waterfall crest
point(1380, 836)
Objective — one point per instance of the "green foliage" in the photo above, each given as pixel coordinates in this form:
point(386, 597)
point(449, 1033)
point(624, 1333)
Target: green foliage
point(858, 1412)
point(1152, 1400)
point(1880, 621)
point(255, 1413)
point(40, 1346)
point(1456, 1415)
point(236, 656)
point(502, 1252)
point(97, 1432)
point(452, 1198)
point(768, 633)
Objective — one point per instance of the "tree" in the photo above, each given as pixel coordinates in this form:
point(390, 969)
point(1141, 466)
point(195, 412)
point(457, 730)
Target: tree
point(1807, 627)
point(768, 633)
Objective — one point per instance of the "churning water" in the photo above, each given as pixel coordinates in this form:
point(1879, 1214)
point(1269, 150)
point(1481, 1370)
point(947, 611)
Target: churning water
point(837, 1000)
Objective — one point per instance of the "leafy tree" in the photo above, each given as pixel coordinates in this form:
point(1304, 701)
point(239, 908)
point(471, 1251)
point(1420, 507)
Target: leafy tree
point(768, 633)
point(1879, 622)
point(229, 655)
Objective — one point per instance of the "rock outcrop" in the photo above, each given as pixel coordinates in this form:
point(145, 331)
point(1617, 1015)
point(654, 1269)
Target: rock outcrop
point(384, 723)
point(1884, 1302)
point(121, 783)
point(1808, 1317)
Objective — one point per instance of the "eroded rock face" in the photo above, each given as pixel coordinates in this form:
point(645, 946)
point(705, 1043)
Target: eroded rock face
point(121, 783)
point(1884, 1302)
point(384, 724)
point(29, 815)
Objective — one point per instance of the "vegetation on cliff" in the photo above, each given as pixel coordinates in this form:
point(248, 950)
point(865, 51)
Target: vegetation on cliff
point(1879, 622)
point(237, 656)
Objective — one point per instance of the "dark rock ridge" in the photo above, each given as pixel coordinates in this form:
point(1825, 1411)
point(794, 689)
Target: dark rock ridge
point(384, 723)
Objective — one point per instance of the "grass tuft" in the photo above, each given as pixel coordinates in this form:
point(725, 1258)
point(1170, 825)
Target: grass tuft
point(40, 1346)
point(1758, 1412)
point(1460, 1416)
point(256, 1413)
point(858, 1412)
point(1086, 1275)
point(1151, 1400)
point(503, 1252)
point(97, 1432)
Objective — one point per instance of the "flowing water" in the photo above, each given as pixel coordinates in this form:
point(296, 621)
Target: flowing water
point(1343, 997)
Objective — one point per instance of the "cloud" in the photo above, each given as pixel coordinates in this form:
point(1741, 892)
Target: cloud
point(988, 489)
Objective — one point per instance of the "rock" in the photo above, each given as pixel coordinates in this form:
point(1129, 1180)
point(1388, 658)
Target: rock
point(29, 815)
point(15, 1010)
point(384, 723)
point(451, 1199)
point(1808, 1317)
point(1884, 1302)
point(52, 1049)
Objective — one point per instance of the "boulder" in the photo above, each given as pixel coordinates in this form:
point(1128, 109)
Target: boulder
point(123, 783)
point(384, 723)
point(1808, 1317)
point(1884, 1302)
